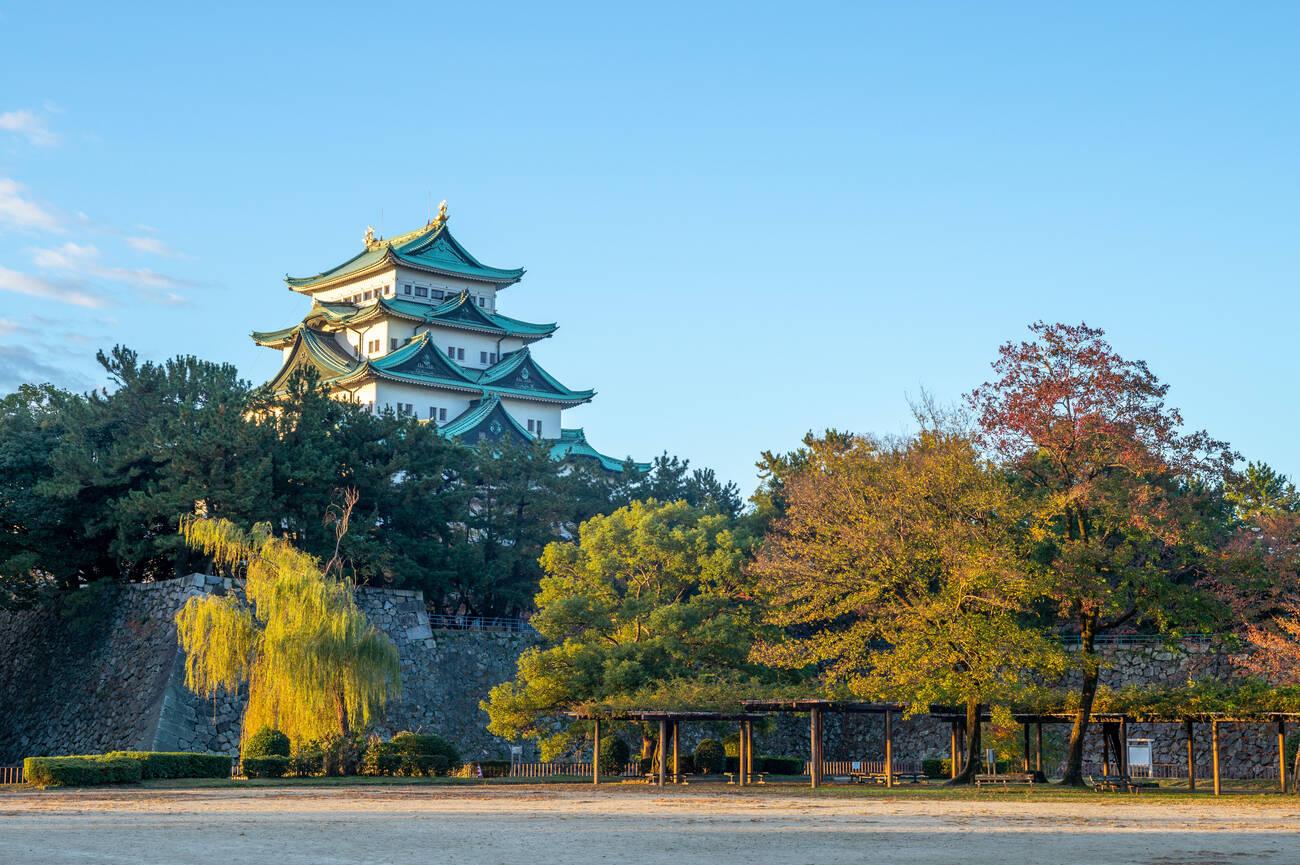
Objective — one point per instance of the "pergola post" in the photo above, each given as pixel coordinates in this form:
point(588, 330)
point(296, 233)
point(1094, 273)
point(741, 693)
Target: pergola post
point(663, 752)
point(1214, 754)
point(595, 754)
point(740, 757)
point(677, 763)
point(952, 750)
point(1105, 749)
point(889, 748)
point(749, 751)
point(1122, 745)
point(1190, 727)
point(815, 746)
point(1281, 755)
point(1026, 760)
point(1038, 751)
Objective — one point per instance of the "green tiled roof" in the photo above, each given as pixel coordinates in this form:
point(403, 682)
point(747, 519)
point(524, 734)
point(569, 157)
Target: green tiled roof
point(420, 362)
point(485, 419)
point(573, 443)
point(431, 249)
point(317, 350)
point(458, 312)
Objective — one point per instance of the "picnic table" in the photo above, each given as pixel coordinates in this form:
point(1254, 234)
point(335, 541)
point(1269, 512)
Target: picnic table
point(761, 776)
point(1006, 778)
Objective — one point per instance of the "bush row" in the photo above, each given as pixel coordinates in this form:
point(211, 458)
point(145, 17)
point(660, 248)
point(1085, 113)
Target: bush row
point(267, 754)
point(122, 767)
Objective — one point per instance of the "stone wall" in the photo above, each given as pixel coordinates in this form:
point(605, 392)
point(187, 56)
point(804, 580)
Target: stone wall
point(128, 691)
point(59, 696)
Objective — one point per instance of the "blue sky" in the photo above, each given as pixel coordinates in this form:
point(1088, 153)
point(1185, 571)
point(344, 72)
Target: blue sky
point(751, 220)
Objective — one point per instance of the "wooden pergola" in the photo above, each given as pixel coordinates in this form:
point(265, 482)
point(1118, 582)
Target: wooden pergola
point(816, 709)
point(669, 723)
point(1114, 729)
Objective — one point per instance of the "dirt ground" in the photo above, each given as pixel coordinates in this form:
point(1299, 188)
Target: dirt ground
point(572, 825)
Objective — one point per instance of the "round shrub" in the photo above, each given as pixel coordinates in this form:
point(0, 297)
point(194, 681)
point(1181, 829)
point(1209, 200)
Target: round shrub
point(710, 757)
point(266, 742)
point(414, 745)
point(614, 755)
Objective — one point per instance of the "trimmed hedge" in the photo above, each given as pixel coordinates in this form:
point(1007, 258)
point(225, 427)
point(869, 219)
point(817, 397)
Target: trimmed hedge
point(779, 765)
point(274, 766)
point(177, 764)
point(936, 768)
point(80, 771)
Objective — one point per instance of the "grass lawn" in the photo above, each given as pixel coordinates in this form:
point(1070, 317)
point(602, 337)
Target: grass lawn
point(1263, 790)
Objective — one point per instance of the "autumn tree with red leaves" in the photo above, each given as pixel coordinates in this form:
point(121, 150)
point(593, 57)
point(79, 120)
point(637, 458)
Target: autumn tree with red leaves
point(1120, 492)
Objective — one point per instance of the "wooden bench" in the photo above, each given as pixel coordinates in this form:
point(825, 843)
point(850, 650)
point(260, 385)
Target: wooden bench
point(1005, 779)
point(1114, 784)
point(879, 777)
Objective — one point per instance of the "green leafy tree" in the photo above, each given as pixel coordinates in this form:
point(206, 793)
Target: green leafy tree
point(644, 610)
point(897, 568)
point(314, 666)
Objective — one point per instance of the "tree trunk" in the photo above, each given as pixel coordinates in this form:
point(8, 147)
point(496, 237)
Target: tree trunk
point(971, 760)
point(1087, 694)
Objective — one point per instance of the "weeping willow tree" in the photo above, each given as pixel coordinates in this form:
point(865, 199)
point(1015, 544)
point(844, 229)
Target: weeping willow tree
point(314, 665)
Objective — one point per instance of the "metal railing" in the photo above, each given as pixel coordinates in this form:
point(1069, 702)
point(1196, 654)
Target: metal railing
point(443, 621)
point(11, 774)
point(1073, 640)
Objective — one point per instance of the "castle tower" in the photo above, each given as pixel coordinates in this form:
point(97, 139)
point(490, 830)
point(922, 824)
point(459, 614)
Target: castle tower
point(410, 325)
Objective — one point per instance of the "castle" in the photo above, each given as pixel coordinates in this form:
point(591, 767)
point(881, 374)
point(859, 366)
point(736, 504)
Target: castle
point(410, 325)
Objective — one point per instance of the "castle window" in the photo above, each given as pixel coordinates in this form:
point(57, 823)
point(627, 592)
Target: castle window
point(367, 295)
point(406, 289)
point(438, 294)
point(481, 302)
point(539, 428)
point(460, 354)
point(392, 343)
point(437, 414)
point(451, 352)
point(493, 357)
point(530, 424)
point(482, 357)
point(421, 291)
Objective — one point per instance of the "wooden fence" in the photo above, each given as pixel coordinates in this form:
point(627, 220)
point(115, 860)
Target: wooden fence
point(831, 768)
point(550, 770)
point(11, 774)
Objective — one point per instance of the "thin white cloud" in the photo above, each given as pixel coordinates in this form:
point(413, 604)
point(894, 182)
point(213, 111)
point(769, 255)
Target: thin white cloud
point(35, 286)
point(69, 256)
point(152, 246)
point(8, 326)
point(30, 125)
point(19, 211)
point(83, 260)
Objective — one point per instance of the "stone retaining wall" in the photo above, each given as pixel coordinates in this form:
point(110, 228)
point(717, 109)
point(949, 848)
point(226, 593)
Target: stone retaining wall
point(128, 691)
